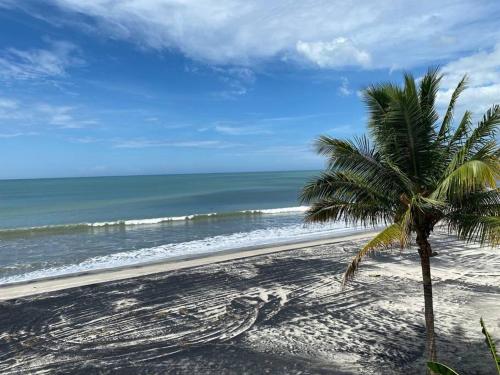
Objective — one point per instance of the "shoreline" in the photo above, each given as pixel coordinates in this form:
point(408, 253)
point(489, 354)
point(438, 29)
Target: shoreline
point(278, 310)
point(56, 283)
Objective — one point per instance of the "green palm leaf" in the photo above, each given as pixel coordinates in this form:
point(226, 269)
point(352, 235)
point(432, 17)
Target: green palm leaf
point(365, 212)
point(439, 368)
point(491, 345)
point(484, 132)
point(448, 117)
point(461, 132)
point(470, 176)
point(386, 239)
point(359, 158)
point(478, 227)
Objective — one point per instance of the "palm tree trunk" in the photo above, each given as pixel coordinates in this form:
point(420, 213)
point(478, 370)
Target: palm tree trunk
point(425, 254)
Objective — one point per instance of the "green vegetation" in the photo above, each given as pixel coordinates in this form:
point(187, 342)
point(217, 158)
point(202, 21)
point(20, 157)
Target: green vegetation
point(441, 369)
point(491, 346)
point(413, 172)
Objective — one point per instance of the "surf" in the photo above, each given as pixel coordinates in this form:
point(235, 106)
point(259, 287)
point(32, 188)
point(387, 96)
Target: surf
point(78, 227)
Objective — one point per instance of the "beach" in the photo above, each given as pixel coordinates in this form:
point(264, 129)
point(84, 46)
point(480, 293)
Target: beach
point(249, 188)
point(49, 284)
point(278, 310)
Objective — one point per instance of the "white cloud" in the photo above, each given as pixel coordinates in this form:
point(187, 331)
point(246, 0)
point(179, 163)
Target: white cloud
point(483, 69)
point(16, 135)
point(293, 118)
point(25, 114)
point(236, 80)
point(84, 140)
point(63, 116)
point(330, 33)
point(477, 99)
point(7, 103)
point(337, 53)
point(291, 153)
point(9, 109)
point(240, 130)
point(39, 63)
point(176, 126)
point(344, 89)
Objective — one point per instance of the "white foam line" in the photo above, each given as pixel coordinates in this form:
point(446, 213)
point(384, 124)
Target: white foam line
point(53, 284)
point(159, 220)
point(279, 210)
point(259, 237)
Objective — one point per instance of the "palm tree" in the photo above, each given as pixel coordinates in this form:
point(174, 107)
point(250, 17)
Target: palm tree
point(414, 173)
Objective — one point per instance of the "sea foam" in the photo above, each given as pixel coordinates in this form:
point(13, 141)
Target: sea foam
point(260, 237)
point(159, 220)
point(152, 221)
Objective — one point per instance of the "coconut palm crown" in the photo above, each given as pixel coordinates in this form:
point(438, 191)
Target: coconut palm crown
point(415, 171)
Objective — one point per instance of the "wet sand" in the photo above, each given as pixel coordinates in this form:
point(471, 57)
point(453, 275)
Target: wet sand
point(277, 312)
point(50, 284)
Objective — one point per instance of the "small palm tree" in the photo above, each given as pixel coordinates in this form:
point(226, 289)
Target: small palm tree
point(414, 173)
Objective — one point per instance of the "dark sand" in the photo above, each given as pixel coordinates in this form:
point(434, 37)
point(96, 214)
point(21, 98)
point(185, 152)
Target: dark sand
point(278, 313)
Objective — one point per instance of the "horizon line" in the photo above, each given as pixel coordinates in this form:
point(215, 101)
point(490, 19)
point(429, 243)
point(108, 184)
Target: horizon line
point(156, 174)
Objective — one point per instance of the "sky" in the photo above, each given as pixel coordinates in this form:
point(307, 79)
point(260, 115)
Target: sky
point(121, 87)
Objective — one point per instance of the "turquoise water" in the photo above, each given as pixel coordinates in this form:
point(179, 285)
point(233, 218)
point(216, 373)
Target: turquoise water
point(29, 203)
point(51, 227)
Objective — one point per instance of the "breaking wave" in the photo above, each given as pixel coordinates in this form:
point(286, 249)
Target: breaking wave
point(241, 240)
point(63, 228)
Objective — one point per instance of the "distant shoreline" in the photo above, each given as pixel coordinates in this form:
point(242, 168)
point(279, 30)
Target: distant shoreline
point(50, 284)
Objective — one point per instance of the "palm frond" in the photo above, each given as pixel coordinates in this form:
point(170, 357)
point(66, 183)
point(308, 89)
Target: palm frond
point(440, 368)
point(358, 158)
point(481, 228)
point(461, 131)
point(407, 135)
point(429, 86)
point(406, 227)
point(428, 89)
point(330, 147)
point(365, 212)
point(486, 202)
point(342, 185)
point(484, 132)
point(476, 216)
point(491, 345)
point(448, 117)
point(466, 145)
point(403, 117)
point(406, 182)
point(386, 239)
point(377, 98)
point(471, 176)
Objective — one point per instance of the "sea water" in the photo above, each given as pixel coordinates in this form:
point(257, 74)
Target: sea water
point(54, 227)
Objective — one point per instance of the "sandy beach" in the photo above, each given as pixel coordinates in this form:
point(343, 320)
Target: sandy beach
point(274, 310)
point(50, 284)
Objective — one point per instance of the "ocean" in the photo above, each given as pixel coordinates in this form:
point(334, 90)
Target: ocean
point(61, 226)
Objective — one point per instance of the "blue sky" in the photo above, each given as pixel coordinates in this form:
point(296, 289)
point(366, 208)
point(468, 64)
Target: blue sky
point(104, 87)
